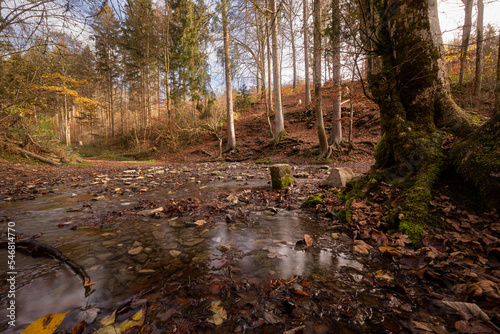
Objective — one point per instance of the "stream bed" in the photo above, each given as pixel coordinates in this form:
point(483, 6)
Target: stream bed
point(220, 226)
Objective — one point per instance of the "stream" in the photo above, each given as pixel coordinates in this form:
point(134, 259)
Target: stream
point(253, 243)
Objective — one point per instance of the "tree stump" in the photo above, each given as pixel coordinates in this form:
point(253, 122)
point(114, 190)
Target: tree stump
point(281, 176)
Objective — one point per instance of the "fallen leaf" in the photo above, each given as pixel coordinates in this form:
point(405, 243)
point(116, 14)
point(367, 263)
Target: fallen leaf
point(109, 320)
point(308, 240)
point(87, 282)
point(484, 287)
point(389, 250)
point(300, 292)
point(361, 247)
point(78, 328)
point(88, 315)
point(469, 309)
point(471, 327)
point(220, 313)
point(379, 237)
point(422, 325)
point(45, 325)
point(383, 275)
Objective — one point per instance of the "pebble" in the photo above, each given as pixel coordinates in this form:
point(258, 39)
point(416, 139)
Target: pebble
point(174, 253)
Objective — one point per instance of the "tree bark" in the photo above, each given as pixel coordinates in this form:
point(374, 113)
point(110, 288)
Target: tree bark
point(278, 105)
point(336, 134)
point(479, 50)
point(477, 159)
point(324, 148)
point(415, 103)
point(291, 19)
point(306, 53)
point(465, 38)
point(497, 88)
point(231, 137)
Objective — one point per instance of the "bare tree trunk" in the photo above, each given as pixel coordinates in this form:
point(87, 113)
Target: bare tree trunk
point(231, 137)
point(278, 106)
point(497, 88)
point(291, 19)
point(268, 39)
point(324, 148)
point(479, 51)
point(336, 135)
point(306, 53)
point(465, 38)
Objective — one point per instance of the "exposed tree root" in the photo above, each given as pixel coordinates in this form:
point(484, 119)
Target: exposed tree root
point(477, 159)
point(38, 249)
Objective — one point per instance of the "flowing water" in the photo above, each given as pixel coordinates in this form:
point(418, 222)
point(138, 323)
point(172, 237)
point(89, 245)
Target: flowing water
point(123, 255)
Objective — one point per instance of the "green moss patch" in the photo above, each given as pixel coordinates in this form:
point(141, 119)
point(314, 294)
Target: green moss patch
point(312, 201)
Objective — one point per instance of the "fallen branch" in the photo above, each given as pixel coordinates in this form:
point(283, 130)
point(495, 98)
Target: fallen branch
point(36, 248)
point(295, 330)
point(17, 149)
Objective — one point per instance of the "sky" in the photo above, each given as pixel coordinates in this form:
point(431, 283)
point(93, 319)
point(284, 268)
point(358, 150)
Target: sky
point(451, 16)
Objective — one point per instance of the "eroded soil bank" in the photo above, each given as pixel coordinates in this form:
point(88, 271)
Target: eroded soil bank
point(211, 247)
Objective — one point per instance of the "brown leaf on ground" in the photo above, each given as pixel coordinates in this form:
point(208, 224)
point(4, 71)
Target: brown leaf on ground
point(400, 240)
point(308, 240)
point(380, 238)
point(472, 327)
point(362, 247)
point(467, 309)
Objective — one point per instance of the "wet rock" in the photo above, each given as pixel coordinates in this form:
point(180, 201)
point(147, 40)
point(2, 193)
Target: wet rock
point(281, 176)
point(223, 248)
point(74, 209)
point(99, 198)
point(176, 223)
point(191, 243)
point(146, 271)
point(338, 177)
point(135, 250)
point(174, 253)
point(151, 212)
point(140, 258)
point(198, 223)
point(109, 243)
point(233, 199)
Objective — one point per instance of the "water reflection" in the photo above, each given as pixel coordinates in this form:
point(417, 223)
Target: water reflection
point(125, 255)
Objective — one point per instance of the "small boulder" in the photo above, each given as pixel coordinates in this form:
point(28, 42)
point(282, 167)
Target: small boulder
point(281, 176)
point(151, 212)
point(338, 177)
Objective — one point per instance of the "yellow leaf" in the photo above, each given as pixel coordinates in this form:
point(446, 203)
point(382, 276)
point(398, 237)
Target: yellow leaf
point(220, 313)
point(45, 325)
point(383, 275)
point(109, 320)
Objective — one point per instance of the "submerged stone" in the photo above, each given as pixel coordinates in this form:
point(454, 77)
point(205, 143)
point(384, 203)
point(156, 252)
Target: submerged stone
point(281, 176)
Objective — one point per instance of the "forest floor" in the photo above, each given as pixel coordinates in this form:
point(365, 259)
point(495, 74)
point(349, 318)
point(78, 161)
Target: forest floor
point(448, 282)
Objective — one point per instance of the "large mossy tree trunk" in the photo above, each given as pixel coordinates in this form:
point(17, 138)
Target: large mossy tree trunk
point(417, 110)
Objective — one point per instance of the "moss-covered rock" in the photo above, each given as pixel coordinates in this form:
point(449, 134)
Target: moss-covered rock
point(313, 200)
point(281, 176)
